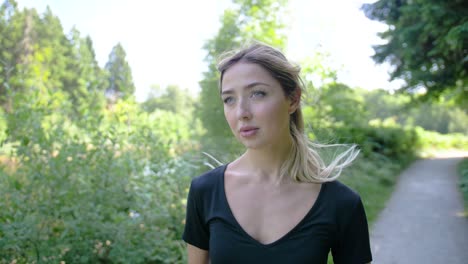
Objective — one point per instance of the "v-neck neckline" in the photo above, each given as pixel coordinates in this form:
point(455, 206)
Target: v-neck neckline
point(281, 238)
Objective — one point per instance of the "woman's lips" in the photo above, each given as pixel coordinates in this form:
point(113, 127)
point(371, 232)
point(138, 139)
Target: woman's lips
point(248, 131)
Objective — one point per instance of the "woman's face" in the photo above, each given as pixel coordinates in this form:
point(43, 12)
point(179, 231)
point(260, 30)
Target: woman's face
point(255, 106)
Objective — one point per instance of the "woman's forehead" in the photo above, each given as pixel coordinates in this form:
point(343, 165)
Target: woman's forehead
point(245, 74)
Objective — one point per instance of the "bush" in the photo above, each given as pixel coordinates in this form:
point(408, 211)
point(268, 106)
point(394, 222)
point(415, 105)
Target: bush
point(394, 142)
point(463, 171)
point(429, 140)
point(111, 192)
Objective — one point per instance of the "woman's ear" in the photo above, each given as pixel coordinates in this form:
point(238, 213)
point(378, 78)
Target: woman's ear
point(295, 100)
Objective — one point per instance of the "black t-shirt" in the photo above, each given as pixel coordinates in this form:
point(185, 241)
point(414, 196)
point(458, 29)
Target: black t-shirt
point(336, 222)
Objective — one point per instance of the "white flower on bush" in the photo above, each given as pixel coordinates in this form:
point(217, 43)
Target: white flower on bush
point(133, 214)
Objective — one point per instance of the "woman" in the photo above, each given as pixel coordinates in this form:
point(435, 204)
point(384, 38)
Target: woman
point(278, 202)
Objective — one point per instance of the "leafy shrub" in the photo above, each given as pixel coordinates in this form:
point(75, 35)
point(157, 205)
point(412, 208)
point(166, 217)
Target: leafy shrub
point(433, 140)
point(463, 171)
point(111, 190)
point(393, 142)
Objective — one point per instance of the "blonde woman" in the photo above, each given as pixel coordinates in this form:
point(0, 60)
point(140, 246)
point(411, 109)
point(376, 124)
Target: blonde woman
point(278, 202)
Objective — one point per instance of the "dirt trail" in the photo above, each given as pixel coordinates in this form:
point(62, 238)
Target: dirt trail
point(422, 222)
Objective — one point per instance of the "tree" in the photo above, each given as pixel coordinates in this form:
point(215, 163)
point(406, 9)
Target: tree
point(86, 81)
point(55, 47)
point(172, 99)
point(120, 75)
point(31, 52)
point(11, 25)
point(380, 104)
point(38, 60)
point(426, 43)
point(249, 20)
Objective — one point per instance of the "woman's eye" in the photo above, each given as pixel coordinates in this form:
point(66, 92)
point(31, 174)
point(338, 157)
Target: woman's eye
point(258, 94)
point(228, 100)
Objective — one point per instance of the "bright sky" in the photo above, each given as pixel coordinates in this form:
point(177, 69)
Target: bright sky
point(164, 39)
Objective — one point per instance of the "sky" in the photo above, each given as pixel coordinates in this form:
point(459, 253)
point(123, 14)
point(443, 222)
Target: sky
point(164, 39)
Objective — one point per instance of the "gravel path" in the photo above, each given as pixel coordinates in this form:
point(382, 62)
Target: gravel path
point(422, 223)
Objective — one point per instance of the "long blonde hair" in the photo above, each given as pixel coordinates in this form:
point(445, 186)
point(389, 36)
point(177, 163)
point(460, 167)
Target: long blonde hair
point(304, 163)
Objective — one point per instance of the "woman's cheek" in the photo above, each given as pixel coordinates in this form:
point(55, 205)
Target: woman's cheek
point(230, 119)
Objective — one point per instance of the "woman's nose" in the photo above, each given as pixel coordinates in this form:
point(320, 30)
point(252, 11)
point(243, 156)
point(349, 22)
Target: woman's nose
point(243, 110)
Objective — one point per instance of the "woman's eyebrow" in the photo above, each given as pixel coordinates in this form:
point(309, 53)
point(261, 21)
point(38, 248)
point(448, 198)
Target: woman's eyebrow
point(249, 86)
point(256, 84)
point(227, 92)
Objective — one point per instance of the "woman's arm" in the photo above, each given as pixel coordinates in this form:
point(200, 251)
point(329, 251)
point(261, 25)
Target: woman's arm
point(196, 255)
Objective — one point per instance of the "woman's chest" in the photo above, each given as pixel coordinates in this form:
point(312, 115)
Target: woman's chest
point(309, 242)
point(268, 214)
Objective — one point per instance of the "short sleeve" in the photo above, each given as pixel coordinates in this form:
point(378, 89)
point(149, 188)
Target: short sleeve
point(353, 246)
point(196, 232)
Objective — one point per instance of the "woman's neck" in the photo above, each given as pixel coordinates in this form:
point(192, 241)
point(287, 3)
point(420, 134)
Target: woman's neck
point(265, 164)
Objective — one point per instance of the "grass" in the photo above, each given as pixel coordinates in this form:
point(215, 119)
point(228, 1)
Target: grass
point(463, 172)
point(374, 179)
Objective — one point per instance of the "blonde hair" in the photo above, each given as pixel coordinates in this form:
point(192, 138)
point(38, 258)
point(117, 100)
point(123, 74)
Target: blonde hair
point(304, 164)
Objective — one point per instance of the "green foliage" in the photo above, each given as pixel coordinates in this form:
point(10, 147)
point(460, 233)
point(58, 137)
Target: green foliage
point(440, 116)
point(380, 104)
point(347, 106)
point(86, 81)
point(373, 177)
point(36, 54)
point(86, 182)
point(335, 113)
point(110, 192)
point(317, 78)
point(429, 140)
point(10, 25)
point(262, 20)
point(82, 181)
point(50, 42)
point(426, 43)
point(391, 141)
point(172, 99)
point(119, 74)
point(463, 172)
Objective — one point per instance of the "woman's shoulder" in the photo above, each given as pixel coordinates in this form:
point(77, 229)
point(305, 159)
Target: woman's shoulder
point(342, 194)
point(207, 180)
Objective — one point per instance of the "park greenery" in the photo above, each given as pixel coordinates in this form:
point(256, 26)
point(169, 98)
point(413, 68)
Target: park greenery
point(90, 175)
point(426, 44)
point(463, 171)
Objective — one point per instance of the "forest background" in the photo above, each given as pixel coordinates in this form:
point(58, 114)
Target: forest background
point(90, 175)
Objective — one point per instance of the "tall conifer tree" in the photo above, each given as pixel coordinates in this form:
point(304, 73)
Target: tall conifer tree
point(120, 75)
